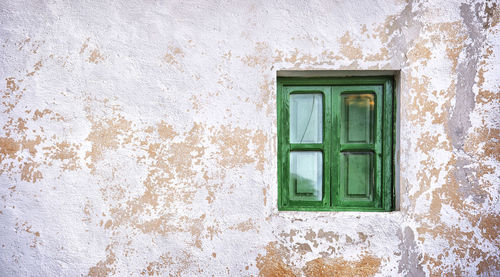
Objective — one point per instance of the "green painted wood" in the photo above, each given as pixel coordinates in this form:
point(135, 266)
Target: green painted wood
point(356, 176)
point(299, 105)
point(327, 151)
point(281, 144)
point(371, 122)
point(335, 148)
point(306, 146)
point(356, 145)
point(387, 155)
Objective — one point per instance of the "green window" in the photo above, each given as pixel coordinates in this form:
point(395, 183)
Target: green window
point(335, 144)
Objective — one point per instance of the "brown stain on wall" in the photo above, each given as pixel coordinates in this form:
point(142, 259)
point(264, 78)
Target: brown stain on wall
point(12, 94)
point(245, 226)
point(168, 263)
point(234, 147)
point(8, 147)
point(366, 266)
point(66, 153)
point(27, 228)
point(105, 267)
point(298, 59)
point(261, 56)
point(267, 99)
point(157, 267)
point(105, 135)
point(187, 153)
point(29, 172)
point(172, 53)
point(272, 264)
point(54, 116)
point(36, 67)
point(84, 46)
point(381, 56)
point(11, 84)
point(348, 48)
point(486, 137)
point(11, 149)
point(166, 131)
point(420, 52)
point(421, 102)
point(95, 56)
point(171, 160)
point(172, 57)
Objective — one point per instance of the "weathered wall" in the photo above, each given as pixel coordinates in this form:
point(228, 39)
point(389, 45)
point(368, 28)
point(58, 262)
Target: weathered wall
point(139, 138)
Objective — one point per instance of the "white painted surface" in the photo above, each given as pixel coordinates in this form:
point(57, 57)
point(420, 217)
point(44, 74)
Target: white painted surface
point(140, 137)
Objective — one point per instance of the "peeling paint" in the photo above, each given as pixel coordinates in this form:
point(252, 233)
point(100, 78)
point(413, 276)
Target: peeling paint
point(140, 138)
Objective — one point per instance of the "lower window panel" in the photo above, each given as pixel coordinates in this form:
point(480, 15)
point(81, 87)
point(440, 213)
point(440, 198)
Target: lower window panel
point(357, 177)
point(306, 176)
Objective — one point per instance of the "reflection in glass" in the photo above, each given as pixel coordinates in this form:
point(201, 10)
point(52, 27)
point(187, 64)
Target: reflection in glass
point(357, 118)
point(306, 175)
point(306, 118)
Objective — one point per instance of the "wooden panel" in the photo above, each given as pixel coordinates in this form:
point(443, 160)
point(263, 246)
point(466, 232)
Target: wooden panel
point(357, 179)
point(306, 175)
point(357, 118)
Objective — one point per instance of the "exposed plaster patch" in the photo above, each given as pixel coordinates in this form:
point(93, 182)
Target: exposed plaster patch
point(267, 98)
point(172, 57)
point(96, 56)
point(262, 56)
point(84, 46)
point(167, 264)
point(366, 266)
point(234, 147)
point(459, 122)
point(348, 48)
point(36, 67)
point(105, 267)
point(272, 264)
point(8, 147)
point(245, 226)
point(409, 265)
point(27, 228)
point(105, 135)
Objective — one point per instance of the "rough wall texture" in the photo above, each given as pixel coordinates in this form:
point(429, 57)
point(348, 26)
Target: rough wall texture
point(139, 138)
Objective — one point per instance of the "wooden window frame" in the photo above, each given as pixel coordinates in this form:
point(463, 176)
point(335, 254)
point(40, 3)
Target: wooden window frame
point(332, 89)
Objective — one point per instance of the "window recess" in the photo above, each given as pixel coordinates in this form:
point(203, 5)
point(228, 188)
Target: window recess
point(335, 144)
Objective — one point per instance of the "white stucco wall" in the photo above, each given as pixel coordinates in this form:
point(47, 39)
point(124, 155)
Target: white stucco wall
point(139, 138)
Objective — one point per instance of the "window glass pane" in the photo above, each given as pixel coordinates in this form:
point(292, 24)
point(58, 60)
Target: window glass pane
point(357, 118)
point(306, 118)
point(306, 175)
